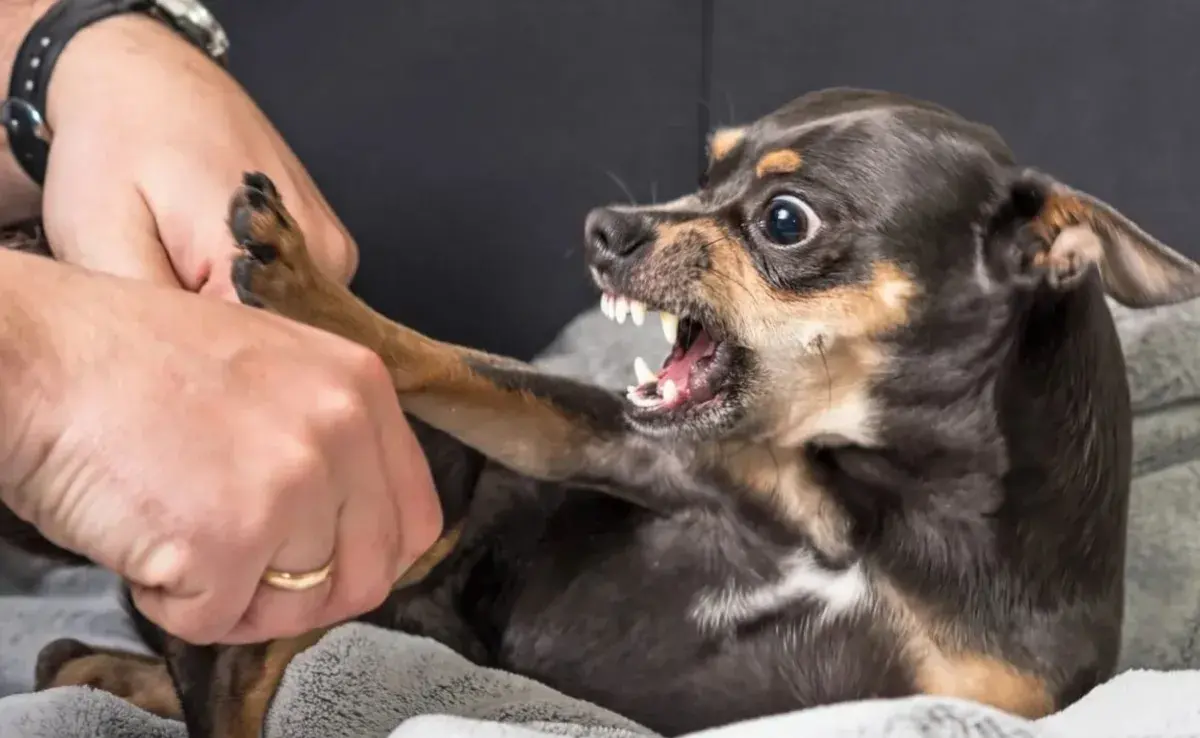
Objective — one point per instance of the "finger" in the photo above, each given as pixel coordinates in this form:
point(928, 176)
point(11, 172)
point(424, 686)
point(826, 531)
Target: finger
point(198, 600)
point(368, 546)
point(410, 485)
point(99, 225)
point(367, 539)
point(311, 544)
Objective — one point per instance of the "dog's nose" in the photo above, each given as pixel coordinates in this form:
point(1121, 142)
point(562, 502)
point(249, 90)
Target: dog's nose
point(616, 233)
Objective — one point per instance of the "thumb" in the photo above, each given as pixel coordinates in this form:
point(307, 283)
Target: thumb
point(104, 227)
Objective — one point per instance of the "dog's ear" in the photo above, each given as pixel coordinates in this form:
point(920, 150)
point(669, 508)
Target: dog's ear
point(1046, 233)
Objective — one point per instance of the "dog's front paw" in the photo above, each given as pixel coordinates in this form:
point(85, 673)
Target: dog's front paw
point(274, 267)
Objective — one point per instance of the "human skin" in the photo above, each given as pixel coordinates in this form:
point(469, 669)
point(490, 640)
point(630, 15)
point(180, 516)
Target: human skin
point(182, 440)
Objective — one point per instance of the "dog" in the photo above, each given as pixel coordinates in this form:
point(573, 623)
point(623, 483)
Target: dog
point(888, 452)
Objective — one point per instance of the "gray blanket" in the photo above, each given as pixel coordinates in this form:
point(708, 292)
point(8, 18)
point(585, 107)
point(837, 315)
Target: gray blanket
point(361, 681)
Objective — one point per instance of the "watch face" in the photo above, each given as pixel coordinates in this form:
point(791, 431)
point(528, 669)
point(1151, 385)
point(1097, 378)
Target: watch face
point(192, 18)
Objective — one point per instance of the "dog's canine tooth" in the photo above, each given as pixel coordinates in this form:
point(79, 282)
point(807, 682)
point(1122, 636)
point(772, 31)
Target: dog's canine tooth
point(606, 305)
point(622, 308)
point(668, 390)
point(641, 370)
point(637, 311)
point(636, 398)
point(670, 326)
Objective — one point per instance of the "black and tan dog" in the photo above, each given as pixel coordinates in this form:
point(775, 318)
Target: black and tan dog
point(888, 453)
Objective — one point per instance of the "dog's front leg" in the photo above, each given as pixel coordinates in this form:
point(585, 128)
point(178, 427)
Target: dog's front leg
point(546, 427)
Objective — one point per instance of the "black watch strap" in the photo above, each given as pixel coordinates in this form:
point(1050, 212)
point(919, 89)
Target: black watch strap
point(23, 112)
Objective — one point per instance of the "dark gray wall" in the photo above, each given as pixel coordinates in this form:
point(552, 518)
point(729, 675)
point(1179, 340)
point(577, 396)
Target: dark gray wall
point(464, 140)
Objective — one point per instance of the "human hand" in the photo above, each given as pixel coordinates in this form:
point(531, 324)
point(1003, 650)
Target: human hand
point(189, 444)
point(150, 137)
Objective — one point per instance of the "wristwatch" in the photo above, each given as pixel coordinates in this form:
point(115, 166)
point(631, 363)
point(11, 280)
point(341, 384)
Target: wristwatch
point(23, 113)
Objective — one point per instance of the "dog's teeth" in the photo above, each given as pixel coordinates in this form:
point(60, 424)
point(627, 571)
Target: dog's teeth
point(640, 400)
point(637, 311)
point(606, 305)
point(670, 326)
point(641, 370)
point(668, 390)
point(622, 309)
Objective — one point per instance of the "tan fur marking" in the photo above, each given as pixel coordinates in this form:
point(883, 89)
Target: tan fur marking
point(137, 679)
point(942, 665)
point(781, 477)
point(256, 690)
point(692, 235)
point(783, 161)
point(1064, 225)
point(764, 314)
point(723, 140)
point(1060, 211)
point(436, 554)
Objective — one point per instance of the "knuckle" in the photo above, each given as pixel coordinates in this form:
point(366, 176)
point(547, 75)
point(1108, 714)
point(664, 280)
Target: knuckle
point(296, 463)
point(165, 563)
point(340, 407)
point(366, 366)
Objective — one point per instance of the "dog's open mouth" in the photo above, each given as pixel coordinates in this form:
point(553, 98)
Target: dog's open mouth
point(693, 377)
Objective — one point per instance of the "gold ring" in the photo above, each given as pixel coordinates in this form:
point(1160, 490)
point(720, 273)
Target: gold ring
point(297, 582)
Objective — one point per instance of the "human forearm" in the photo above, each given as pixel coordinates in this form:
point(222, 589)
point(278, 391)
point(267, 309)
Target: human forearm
point(18, 195)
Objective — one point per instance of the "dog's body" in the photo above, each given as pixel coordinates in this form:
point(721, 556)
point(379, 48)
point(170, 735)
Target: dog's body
point(889, 453)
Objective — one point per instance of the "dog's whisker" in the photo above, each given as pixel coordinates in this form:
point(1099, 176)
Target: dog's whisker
point(732, 281)
point(624, 187)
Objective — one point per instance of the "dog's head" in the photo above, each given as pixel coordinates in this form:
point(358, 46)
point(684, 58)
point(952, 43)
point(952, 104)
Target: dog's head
point(826, 235)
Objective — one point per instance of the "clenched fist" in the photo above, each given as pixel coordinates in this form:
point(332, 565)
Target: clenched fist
point(190, 444)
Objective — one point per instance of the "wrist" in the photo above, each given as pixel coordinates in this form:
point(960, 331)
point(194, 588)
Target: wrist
point(100, 56)
point(19, 197)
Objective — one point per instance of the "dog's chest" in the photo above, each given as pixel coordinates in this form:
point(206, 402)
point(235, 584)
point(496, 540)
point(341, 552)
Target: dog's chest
point(607, 573)
point(798, 579)
point(641, 615)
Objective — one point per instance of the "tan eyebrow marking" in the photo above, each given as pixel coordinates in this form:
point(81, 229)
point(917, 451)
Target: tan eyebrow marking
point(782, 161)
point(723, 140)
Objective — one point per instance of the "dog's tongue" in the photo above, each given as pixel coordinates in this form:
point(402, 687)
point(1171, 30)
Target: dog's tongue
point(679, 367)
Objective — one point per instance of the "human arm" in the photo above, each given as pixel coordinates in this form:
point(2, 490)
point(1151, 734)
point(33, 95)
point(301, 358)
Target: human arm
point(149, 137)
point(20, 197)
point(168, 442)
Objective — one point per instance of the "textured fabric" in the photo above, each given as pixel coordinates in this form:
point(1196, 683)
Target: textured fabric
point(362, 681)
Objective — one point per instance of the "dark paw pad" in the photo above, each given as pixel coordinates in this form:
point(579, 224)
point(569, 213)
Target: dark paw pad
point(259, 182)
point(243, 268)
point(54, 656)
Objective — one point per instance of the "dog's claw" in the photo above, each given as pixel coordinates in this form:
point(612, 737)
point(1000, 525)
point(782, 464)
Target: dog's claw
point(273, 261)
point(260, 182)
point(261, 252)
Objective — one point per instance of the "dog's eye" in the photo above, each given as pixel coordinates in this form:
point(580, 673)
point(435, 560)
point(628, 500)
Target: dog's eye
point(788, 220)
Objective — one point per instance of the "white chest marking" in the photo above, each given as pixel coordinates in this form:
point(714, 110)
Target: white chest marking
point(834, 591)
